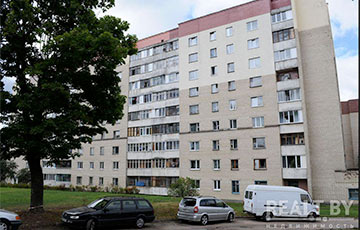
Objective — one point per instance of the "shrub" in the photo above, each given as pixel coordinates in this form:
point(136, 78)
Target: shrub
point(24, 176)
point(132, 190)
point(183, 187)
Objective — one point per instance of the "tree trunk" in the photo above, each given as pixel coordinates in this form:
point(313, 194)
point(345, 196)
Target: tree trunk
point(37, 185)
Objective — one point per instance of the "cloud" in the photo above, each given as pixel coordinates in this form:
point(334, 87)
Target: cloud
point(348, 72)
point(344, 16)
point(9, 83)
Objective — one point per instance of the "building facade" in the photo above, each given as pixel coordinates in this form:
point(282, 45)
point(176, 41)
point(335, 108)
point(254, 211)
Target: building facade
point(246, 95)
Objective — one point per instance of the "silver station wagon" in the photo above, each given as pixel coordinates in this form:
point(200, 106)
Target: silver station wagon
point(204, 209)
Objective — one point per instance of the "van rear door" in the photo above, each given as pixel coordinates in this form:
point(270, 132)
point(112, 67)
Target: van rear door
point(248, 201)
point(187, 205)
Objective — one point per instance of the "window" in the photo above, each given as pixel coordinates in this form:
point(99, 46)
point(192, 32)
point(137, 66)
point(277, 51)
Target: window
point(80, 151)
point(194, 127)
point(213, 70)
point(193, 57)
point(288, 117)
point(101, 165)
point(216, 145)
point(261, 182)
point(289, 95)
point(115, 150)
point(253, 43)
point(91, 180)
point(253, 25)
point(193, 41)
point(285, 54)
point(282, 16)
point(80, 165)
point(91, 165)
point(256, 101)
point(283, 35)
point(260, 164)
point(214, 88)
point(143, 204)
point(235, 164)
point(292, 162)
point(215, 107)
point(235, 187)
point(92, 150)
point(116, 134)
point(232, 104)
point(233, 124)
point(255, 82)
point(193, 92)
point(254, 63)
point(213, 36)
point(79, 180)
point(258, 122)
point(230, 49)
point(259, 143)
point(115, 181)
point(353, 194)
point(305, 198)
point(193, 75)
point(194, 146)
point(231, 67)
point(229, 31)
point(292, 139)
point(197, 184)
point(233, 144)
point(194, 109)
point(213, 53)
point(217, 185)
point(101, 181)
point(231, 86)
point(195, 164)
point(216, 164)
point(102, 150)
point(116, 165)
point(216, 125)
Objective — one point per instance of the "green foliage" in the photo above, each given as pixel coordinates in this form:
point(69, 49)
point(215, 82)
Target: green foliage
point(183, 187)
point(24, 176)
point(63, 59)
point(7, 170)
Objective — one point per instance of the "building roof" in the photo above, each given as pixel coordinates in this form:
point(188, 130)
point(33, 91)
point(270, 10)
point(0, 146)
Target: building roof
point(350, 106)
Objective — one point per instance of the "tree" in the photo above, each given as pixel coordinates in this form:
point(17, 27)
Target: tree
point(24, 176)
point(183, 187)
point(63, 60)
point(7, 170)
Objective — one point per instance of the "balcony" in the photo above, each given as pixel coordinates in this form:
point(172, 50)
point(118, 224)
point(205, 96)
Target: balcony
point(293, 150)
point(294, 173)
point(287, 64)
point(291, 128)
point(153, 190)
point(284, 44)
point(288, 84)
point(282, 25)
point(163, 172)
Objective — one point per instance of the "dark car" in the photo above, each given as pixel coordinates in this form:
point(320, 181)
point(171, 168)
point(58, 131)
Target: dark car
point(110, 212)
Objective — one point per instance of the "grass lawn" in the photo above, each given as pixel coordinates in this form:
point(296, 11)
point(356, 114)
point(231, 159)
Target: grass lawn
point(55, 202)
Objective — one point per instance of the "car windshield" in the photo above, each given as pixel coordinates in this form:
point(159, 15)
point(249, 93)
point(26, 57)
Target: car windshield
point(98, 204)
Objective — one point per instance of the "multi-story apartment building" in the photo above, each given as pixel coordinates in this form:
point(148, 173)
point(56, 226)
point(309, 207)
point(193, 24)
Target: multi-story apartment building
point(245, 95)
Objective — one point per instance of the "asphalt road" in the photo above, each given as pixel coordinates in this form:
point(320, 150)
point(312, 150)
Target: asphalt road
point(248, 223)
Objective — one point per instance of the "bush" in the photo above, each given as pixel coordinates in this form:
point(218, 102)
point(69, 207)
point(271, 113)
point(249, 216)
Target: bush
point(132, 190)
point(24, 176)
point(183, 187)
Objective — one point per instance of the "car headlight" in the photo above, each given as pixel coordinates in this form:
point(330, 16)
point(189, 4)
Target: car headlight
point(74, 217)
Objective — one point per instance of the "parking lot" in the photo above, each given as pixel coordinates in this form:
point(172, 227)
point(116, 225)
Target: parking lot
point(248, 223)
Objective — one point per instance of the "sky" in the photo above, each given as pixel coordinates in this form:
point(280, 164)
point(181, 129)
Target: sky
point(149, 17)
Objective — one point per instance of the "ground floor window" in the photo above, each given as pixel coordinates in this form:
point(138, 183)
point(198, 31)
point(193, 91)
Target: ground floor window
point(353, 194)
point(235, 184)
point(261, 182)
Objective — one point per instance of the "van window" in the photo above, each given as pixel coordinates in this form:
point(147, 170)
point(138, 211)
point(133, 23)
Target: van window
point(247, 194)
point(250, 195)
point(208, 203)
point(189, 202)
point(305, 198)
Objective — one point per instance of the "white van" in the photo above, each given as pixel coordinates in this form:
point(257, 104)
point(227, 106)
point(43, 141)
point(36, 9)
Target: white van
point(266, 202)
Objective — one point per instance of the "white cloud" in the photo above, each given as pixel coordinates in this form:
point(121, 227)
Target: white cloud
point(344, 16)
point(348, 72)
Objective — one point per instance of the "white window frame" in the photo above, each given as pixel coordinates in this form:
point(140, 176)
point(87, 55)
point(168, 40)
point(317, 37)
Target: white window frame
point(217, 185)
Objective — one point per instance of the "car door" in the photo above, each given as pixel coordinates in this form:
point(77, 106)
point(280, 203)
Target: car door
point(305, 205)
point(208, 206)
point(129, 210)
point(221, 210)
point(112, 213)
point(144, 208)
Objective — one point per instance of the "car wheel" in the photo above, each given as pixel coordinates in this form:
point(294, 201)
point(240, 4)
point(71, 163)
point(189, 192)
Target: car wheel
point(204, 220)
point(140, 222)
point(4, 225)
point(231, 217)
point(312, 217)
point(268, 216)
point(91, 225)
